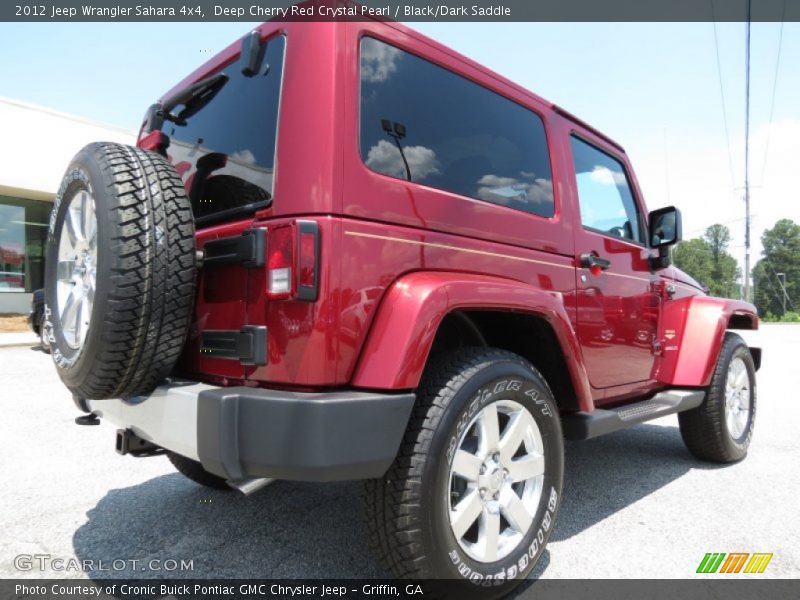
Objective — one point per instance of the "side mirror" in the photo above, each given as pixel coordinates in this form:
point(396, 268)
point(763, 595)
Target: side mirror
point(664, 230)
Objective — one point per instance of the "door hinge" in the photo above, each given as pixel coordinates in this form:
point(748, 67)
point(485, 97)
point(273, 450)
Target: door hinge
point(658, 347)
point(664, 289)
point(248, 345)
point(247, 249)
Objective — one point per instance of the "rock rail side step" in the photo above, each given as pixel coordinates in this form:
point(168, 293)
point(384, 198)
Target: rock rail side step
point(586, 425)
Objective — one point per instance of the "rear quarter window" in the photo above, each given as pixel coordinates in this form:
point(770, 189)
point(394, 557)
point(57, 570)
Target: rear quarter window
point(225, 151)
point(423, 123)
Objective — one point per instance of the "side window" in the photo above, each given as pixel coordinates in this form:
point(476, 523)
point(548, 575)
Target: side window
point(423, 123)
point(605, 197)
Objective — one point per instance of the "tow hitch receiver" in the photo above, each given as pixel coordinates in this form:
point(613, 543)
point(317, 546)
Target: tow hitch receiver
point(130, 443)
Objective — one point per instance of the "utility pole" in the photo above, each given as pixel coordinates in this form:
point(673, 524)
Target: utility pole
point(782, 280)
point(747, 159)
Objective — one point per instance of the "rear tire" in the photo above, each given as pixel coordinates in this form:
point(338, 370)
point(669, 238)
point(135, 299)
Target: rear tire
point(414, 513)
point(120, 272)
point(44, 342)
point(720, 429)
point(195, 471)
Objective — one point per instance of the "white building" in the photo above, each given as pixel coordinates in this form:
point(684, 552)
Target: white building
point(38, 144)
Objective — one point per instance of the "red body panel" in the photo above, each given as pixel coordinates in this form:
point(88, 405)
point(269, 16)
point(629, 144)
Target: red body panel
point(414, 306)
point(397, 256)
point(220, 303)
point(693, 328)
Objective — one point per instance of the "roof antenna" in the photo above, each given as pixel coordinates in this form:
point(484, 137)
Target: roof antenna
point(397, 131)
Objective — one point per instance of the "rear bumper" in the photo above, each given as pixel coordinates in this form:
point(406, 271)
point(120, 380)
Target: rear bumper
point(240, 432)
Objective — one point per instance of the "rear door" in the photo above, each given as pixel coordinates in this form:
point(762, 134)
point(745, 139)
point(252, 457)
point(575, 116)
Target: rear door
point(617, 297)
point(223, 145)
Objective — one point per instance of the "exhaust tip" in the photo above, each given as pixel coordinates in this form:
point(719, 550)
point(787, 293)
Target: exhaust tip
point(249, 485)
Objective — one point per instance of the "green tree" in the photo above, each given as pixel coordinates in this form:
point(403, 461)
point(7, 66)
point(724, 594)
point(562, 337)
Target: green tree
point(781, 255)
point(708, 261)
point(694, 257)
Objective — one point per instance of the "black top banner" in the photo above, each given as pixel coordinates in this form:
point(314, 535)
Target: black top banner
point(403, 10)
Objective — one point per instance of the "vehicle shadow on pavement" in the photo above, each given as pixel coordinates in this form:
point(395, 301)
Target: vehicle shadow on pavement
point(609, 473)
point(307, 530)
point(286, 530)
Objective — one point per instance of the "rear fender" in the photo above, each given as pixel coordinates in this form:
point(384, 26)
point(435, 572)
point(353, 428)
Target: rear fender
point(692, 331)
point(408, 318)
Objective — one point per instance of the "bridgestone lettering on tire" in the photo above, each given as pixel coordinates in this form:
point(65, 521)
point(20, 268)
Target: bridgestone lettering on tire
point(412, 512)
point(131, 274)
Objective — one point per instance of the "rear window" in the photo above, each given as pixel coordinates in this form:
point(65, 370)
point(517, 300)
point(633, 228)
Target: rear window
point(225, 151)
point(423, 123)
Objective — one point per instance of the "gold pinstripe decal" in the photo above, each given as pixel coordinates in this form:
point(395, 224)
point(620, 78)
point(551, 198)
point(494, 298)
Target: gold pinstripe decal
point(631, 277)
point(479, 252)
point(449, 247)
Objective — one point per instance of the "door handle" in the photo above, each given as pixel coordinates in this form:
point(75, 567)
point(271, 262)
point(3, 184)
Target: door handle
point(592, 261)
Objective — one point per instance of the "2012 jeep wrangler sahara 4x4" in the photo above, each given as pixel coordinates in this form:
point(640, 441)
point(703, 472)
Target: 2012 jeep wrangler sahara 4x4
point(343, 251)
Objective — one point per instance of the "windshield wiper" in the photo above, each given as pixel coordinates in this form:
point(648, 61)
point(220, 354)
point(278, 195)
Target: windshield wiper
point(192, 98)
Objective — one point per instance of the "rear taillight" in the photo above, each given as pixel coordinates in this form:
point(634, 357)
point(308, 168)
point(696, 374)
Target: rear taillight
point(293, 261)
point(280, 262)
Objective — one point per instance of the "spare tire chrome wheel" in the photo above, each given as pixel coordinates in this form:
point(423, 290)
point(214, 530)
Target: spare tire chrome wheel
point(77, 269)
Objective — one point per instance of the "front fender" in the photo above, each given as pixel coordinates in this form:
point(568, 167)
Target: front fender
point(408, 318)
point(693, 330)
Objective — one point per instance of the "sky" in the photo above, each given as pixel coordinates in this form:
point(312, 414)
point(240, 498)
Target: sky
point(653, 87)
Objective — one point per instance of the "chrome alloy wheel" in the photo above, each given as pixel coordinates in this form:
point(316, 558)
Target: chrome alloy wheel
point(77, 269)
point(738, 402)
point(496, 480)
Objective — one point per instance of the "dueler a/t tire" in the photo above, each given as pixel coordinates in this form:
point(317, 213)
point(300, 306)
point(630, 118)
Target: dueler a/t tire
point(408, 511)
point(136, 295)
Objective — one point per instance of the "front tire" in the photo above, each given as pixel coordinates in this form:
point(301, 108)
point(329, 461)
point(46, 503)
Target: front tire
point(474, 491)
point(720, 429)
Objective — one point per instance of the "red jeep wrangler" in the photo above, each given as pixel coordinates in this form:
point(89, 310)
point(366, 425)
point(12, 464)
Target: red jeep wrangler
point(343, 251)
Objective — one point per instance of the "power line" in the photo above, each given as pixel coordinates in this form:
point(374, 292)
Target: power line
point(774, 88)
point(731, 221)
point(722, 95)
point(775, 295)
point(747, 157)
point(783, 286)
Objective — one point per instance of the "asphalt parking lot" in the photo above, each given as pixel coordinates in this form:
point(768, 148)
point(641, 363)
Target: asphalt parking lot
point(636, 504)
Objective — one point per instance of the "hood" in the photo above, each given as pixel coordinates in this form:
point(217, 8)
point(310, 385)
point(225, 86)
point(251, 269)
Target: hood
point(682, 277)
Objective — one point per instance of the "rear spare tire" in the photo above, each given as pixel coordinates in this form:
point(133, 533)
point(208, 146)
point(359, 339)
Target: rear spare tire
point(120, 272)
